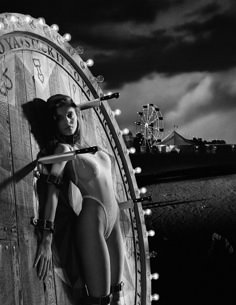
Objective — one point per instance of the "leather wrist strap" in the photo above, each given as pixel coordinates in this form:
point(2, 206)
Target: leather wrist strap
point(96, 301)
point(42, 224)
point(52, 179)
point(117, 288)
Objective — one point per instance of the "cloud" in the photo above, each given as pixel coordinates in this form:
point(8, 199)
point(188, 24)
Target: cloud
point(187, 100)
point(131, 39)
point(193, 103)
point(160, 90)
point(179, 54)
point(215, 93)
point(214, 126)
point(127, 51)
point(210, 8)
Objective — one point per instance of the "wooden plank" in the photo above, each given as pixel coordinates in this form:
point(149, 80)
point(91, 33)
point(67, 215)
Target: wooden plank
point(9, 282)
point(129, 273)
point(63, 81)
point(53, 81)
point(33, 113)
point(7, 203)
point(59, 82)
point(21, 154)
point(41, 75)
point(76, 92)
point(27, 58)
point(5, 149)
point(9, 274)
point(30, 93)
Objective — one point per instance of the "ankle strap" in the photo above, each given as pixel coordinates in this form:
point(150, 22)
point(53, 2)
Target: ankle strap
point(96, 301)
point(117, 288)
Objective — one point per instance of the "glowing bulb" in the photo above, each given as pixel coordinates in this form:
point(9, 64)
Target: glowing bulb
point(137, 170)
point(90, 62)
point(154, 276)
point(28, 19)
point(155, 297)
point(41, 21)
point(132, 150)
point(67, 37)
point(13, 18)
point(117, 112)
point(147, 212)
point(125, 131)
point(143, 190)
point(150, 233)
point(55, 27)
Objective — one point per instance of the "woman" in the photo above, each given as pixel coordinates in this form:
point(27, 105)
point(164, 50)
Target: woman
point(98, 236)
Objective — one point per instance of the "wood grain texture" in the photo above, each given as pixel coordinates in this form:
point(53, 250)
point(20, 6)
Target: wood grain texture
point(10, 294)
point(21, 155)
point(33, 69)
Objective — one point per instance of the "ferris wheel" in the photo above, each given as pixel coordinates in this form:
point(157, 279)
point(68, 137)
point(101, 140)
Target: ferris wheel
point(150, 125)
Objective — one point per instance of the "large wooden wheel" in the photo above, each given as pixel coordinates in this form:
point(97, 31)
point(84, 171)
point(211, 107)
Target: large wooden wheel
point(36, 62)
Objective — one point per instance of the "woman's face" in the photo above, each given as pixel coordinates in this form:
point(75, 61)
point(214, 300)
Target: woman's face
point(66, 120)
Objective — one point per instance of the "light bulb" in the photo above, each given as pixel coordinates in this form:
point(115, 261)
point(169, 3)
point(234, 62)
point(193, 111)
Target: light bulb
point(147, 212)
point(154, 276)
point(90, 62)
point(13, 18)
point(117, 112)
point(55, 27)
point(150, 233)
point(131, 150)
point(41, 21)
point(67, 37)
point(155, 297)
point(143, 190)
point(28, 19)
point(125, 131)
point(137, 170)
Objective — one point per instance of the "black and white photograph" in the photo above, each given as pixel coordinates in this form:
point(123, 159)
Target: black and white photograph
point(118, 152)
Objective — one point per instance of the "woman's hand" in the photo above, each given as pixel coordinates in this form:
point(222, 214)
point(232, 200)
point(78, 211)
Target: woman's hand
point(43, 259)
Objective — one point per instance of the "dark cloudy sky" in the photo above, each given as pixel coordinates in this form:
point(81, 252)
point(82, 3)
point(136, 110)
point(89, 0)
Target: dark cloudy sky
point(177, 54)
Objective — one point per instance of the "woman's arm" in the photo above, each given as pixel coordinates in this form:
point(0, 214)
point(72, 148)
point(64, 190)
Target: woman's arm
point(44, 254)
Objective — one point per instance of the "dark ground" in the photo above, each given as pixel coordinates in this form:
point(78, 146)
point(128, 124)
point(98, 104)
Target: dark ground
point(195, 226)
point(195, 266)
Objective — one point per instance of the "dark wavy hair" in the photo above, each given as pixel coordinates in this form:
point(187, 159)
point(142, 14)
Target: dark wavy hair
point(53, 103)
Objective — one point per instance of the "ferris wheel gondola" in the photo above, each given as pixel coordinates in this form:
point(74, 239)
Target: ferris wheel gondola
point(150, 125)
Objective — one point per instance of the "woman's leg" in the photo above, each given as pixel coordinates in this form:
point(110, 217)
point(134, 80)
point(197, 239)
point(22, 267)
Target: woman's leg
point(93, 249)
point(116, 252)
